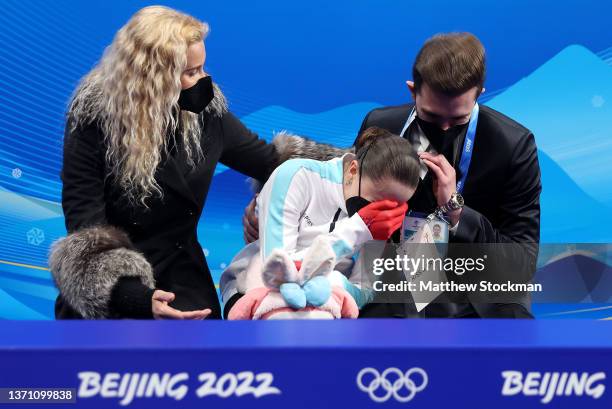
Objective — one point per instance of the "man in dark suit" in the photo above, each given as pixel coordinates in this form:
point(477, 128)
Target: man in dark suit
point(501, 188)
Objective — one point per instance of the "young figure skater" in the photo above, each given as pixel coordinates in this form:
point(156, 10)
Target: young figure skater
point(313, 218)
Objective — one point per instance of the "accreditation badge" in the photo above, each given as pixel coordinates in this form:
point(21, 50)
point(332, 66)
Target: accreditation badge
point(421, 241)
point(414, 222)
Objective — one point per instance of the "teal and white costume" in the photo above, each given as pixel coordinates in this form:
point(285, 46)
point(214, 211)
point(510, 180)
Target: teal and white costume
point(302, 199)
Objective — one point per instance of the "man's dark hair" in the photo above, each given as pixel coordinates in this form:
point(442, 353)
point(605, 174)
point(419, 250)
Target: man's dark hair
point(450, 63)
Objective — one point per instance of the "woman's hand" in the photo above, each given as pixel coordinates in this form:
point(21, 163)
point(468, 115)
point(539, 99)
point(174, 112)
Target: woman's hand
point(250, 222)
point(161, 309)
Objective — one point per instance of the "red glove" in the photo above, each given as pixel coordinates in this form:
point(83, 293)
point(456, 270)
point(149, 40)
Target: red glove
point(383, 218)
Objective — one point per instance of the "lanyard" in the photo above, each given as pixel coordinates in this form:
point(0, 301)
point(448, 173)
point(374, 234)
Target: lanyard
point(468, 143)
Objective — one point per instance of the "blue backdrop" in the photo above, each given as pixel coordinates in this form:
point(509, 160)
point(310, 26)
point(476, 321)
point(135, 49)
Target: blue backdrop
point(313, 68)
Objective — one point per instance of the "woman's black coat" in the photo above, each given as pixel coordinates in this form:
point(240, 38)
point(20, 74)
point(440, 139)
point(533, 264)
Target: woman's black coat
point(166, 232)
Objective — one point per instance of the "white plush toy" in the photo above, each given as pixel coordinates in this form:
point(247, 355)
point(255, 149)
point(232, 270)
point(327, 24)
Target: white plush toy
point(292, 290)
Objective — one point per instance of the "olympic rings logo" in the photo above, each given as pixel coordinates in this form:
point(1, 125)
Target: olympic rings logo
point(391, 386)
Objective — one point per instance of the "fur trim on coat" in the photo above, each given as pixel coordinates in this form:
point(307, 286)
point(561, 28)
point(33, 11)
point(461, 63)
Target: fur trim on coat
point(291, 146)
point(87, 263)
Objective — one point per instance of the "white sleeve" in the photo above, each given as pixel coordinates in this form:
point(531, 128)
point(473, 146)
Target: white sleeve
point(281, 203)
point(453, 230)
point(349, 234)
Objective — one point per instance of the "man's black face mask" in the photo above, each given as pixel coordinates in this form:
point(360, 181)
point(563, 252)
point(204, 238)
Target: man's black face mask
point(441, 140)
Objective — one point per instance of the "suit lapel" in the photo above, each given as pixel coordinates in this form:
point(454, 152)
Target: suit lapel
point(424, 200)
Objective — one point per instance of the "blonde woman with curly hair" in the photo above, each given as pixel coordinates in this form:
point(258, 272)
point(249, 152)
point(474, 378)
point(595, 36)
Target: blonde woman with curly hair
point(145, 130)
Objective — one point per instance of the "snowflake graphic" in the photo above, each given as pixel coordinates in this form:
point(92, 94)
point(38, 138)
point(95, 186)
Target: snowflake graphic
point(222, 265)
point(35, 236)
point(206, 252)
point(597, 101)
point(17, 173)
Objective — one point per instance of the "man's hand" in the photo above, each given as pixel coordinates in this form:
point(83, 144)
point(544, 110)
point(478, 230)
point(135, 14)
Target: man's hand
point(250, 222)
point(161, 309)
point(445, 181)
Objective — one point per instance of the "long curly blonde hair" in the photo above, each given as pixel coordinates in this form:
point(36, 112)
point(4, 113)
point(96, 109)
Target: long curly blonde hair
point(132, 93)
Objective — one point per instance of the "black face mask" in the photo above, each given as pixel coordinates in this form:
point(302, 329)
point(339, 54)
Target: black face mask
point(196, 98)
point(356, 203)
point(440, 139)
